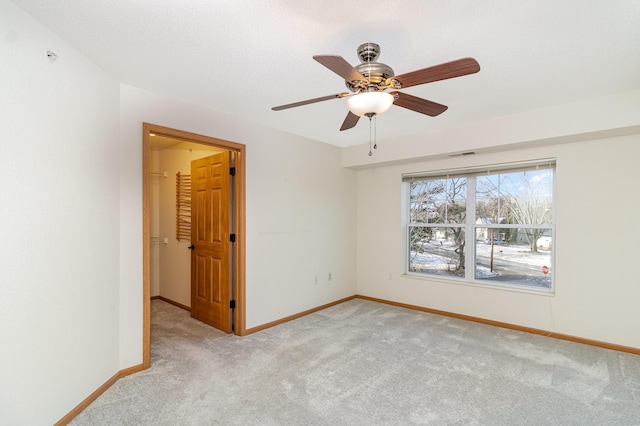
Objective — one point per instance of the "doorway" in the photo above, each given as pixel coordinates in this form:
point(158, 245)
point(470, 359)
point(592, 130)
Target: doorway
point(238, 247)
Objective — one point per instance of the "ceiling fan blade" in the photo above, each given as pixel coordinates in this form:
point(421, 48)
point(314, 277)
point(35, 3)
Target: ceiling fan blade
point(420, 105)
point(340, 66)
point(444, 71)
point(308, 101)
point(350, 121)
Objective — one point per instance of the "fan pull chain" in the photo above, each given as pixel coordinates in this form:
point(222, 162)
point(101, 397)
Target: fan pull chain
point(372, 140)
point(375, 132)
point(370, 152)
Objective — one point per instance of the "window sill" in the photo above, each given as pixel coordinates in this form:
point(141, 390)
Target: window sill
point(475, 283)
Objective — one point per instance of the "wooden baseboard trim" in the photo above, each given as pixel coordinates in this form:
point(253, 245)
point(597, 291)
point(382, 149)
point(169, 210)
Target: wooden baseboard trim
point(88, 400)
point(296, 316)
point(131, 370)
point(179, 305)
point(605, 345)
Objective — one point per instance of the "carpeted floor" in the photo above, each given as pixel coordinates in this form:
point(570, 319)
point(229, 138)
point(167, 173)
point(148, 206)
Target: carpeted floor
point(364, 363)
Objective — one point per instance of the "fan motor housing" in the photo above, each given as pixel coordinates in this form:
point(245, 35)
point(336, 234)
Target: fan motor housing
point(376, 73)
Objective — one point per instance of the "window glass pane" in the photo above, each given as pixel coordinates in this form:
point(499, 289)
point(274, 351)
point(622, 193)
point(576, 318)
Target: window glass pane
point(438, 201)
point(491, 204)
point(437, 250)
point(519, 256)
point(511, 229)
point(523, 197)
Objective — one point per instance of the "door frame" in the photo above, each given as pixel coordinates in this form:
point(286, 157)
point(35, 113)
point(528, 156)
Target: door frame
point(239, 267)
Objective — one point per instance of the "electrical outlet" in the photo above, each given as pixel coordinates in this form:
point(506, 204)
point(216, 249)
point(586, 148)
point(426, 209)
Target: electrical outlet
point(329, 278)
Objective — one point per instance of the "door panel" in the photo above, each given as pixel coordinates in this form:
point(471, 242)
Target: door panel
point(211, 257)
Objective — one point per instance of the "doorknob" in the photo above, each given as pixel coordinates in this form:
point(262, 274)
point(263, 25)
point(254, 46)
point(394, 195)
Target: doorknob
point(191, 247)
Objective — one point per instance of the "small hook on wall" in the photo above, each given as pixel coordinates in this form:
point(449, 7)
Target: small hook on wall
point(52, 56)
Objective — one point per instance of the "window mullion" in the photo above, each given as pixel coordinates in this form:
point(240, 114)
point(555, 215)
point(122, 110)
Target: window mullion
point(470, 236)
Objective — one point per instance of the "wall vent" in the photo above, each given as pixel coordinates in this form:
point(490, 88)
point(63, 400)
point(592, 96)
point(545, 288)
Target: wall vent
point(461, 154)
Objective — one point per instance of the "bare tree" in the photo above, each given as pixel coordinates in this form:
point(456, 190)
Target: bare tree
point(531, 210)
point(439, 201)
point(524, 197)
point(456, 212)
point(423, 195)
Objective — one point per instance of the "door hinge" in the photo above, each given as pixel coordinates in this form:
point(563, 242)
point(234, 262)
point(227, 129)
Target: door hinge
point(232, 171)
point(232, 304)
point(232, 238)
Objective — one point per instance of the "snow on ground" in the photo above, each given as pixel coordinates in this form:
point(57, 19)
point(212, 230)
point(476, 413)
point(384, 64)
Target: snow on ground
point(512, 263)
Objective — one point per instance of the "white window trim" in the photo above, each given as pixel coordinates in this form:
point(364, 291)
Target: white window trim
point(470, 226)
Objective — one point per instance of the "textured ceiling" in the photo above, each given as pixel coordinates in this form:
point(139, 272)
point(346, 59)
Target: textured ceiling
point(243, 57)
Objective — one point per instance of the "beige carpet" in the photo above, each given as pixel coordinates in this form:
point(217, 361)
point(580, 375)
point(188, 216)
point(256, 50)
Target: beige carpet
point(364, 363)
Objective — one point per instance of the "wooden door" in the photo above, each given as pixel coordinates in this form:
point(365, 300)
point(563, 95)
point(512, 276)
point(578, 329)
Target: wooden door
point(210, 236)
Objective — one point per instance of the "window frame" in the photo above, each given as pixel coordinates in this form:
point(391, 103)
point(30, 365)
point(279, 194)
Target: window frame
point(471, 228)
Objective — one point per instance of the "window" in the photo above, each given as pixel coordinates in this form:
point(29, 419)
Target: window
point(491, 226)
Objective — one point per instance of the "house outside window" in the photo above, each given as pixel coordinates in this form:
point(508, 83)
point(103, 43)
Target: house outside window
point(489, 226)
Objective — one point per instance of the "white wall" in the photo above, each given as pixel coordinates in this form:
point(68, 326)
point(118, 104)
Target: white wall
point(300, 213)
point(71, 258)
point(597, 205)
point(59, 230)
point(617, 114)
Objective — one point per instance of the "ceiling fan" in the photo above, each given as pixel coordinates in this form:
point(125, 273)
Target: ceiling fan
point(373, 85)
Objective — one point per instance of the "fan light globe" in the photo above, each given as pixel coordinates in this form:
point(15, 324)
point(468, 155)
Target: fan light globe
point(369, 102)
